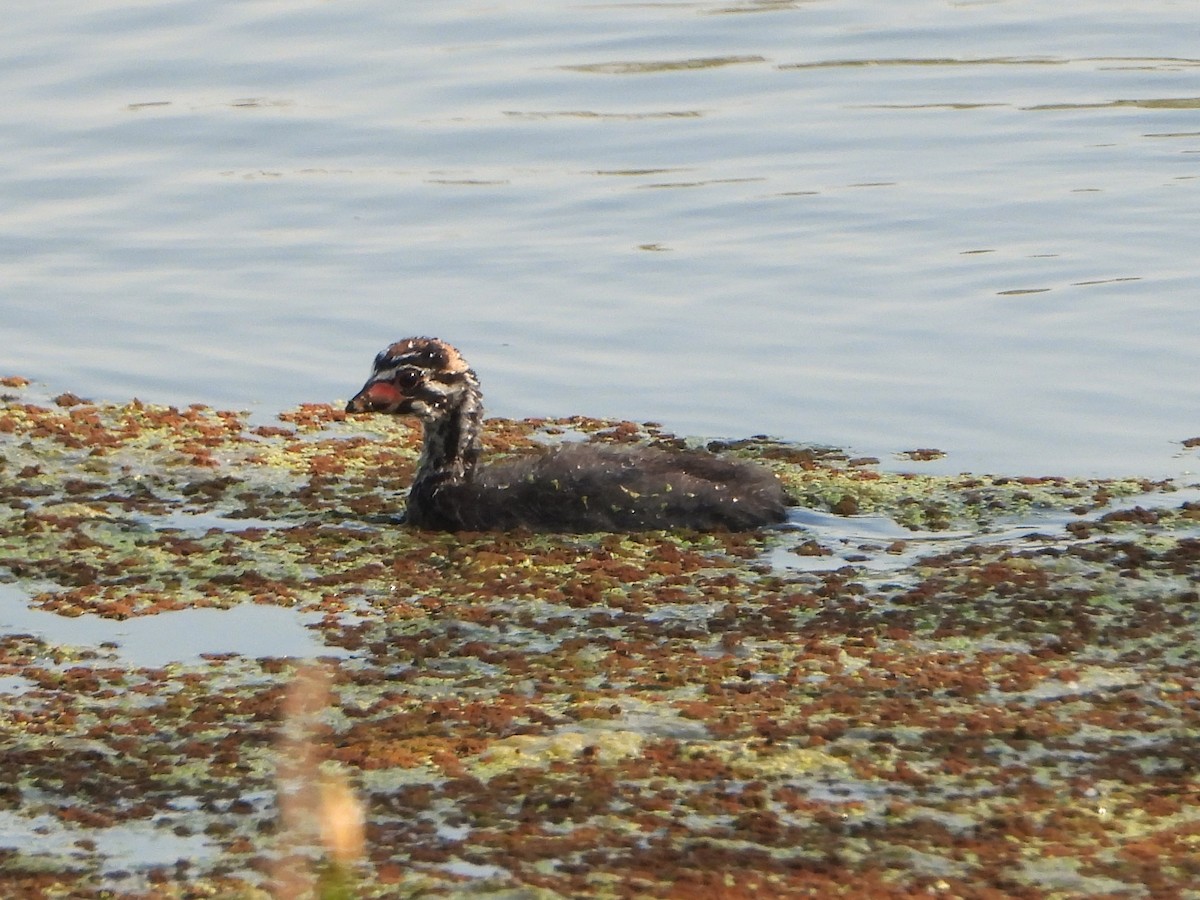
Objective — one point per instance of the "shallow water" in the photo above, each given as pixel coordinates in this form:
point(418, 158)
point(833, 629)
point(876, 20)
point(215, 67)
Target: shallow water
point(965, 225)
point(130, 844)
point(178, 636)
point(881, 546)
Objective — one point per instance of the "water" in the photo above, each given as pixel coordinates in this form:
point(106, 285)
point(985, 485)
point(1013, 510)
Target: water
point(869, 542)
point(176, 636)
point(965, 225)
point(134, 844)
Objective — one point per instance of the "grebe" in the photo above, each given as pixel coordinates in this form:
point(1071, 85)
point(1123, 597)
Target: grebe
point(574, 488)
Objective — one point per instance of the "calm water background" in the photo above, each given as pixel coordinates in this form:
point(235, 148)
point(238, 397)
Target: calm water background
point(881, 225)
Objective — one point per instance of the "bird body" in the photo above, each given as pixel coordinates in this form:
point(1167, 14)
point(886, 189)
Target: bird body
point(572, 488)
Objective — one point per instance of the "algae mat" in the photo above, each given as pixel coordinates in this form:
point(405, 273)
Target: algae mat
point(966, 686)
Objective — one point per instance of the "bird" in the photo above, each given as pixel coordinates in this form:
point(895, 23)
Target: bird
point(574, 488)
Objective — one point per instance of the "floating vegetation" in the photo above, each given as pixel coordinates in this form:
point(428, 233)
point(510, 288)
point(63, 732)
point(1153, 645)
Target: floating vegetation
point(966, 685)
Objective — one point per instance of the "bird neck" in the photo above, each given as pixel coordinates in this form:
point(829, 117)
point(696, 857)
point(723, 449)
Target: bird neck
point(450, 451)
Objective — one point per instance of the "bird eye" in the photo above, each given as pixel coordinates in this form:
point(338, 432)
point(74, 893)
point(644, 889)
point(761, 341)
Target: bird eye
point(408, 377)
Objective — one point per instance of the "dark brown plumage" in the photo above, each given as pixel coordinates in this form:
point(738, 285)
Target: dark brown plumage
point(574, 488)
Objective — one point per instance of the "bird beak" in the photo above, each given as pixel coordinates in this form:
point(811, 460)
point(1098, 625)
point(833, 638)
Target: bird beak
point(375, 396)
point(358, 403)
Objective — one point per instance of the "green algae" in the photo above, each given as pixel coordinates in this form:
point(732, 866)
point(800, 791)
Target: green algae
point(550, 715)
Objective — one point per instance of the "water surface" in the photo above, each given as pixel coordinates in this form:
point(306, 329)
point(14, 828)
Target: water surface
point(965, 225)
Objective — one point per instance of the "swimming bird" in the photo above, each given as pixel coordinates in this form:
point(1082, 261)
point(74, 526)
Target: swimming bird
point(572, 488)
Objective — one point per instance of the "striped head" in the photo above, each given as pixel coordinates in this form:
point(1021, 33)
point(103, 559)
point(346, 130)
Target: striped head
point(421, 377)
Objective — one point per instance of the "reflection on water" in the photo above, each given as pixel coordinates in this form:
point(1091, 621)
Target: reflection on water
point(874, 225)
